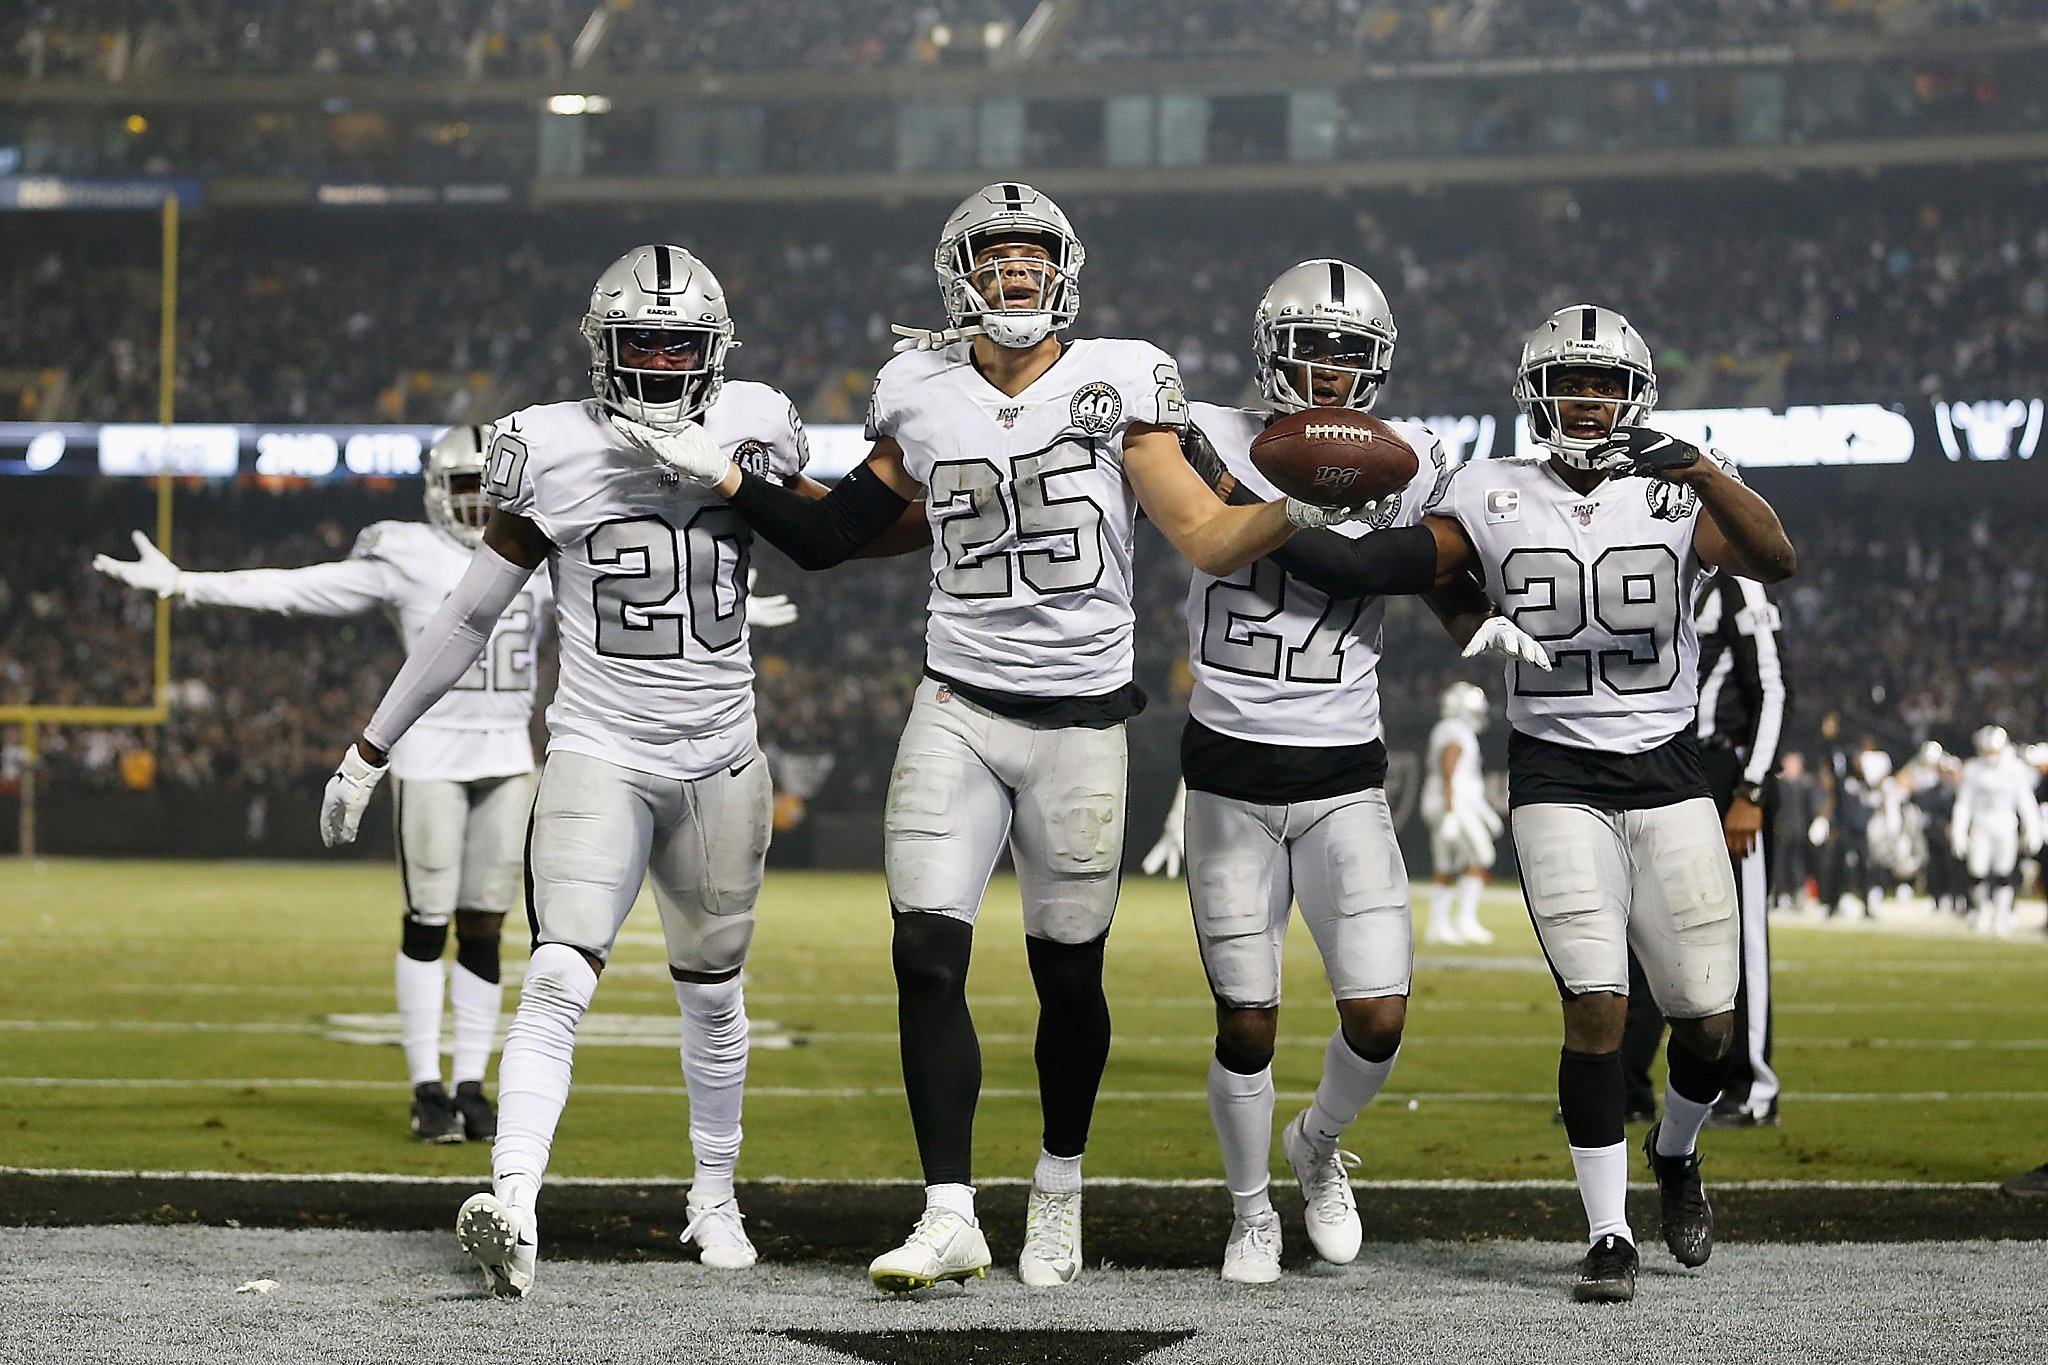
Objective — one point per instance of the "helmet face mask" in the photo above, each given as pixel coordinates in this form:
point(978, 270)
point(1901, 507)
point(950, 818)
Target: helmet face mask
point(454, 477)
point(1584, 359)
point(1323, 336)
point(1009, 264)
point(659, 334)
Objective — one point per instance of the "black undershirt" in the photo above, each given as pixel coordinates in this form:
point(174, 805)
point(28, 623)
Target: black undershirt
point(1099, 712)
point(1275, 774)
point(1564, 774)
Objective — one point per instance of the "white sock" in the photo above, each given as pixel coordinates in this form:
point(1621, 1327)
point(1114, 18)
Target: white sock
point(1470, 884)
point(1678, 1132)
point(1241, 1108)
point(1602, 1173)
point(715, 1072)
point(533, 1075)
point(476, 1004)
point(1057, 1174)
point(952, 1198)
point(1348, 1085)
point(419, 1016)
point(1439, 911)
point(2001, 907)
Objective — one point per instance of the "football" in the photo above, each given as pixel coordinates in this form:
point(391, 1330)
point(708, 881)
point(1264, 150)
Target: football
point(1334, 457)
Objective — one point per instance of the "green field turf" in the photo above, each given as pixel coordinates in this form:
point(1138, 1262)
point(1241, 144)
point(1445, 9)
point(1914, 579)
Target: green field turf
point(1906, 1058)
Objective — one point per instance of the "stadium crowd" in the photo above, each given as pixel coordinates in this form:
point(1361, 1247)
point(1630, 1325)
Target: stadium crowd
point(1880, 295)
point(118, 39)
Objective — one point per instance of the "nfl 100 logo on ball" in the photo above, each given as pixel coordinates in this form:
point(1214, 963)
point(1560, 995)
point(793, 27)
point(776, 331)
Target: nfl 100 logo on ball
point(1096, 407)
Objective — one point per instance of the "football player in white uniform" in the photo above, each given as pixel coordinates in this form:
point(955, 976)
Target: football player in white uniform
point(1996, 819)
point(464, 774)
point(1614, 828)
point(1285, 770)
point(1032, 454)
point(1462, 825)
point(652, 770)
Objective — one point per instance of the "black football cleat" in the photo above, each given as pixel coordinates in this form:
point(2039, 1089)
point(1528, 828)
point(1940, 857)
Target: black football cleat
point(1608, 1274)
point(2029, 1184)
point(434, 1118)
point(1686, 1216)
point(479, 1119)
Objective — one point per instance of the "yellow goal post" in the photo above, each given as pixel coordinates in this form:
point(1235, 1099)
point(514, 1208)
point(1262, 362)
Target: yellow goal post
point(32, 717)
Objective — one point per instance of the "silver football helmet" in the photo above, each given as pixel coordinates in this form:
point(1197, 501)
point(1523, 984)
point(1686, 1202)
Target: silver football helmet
point(1322, 315)
point(1580, 337)
point(1990, 741)
point(1464, 701)
point(1009, 212)
point(658, 299)
point(461, 511)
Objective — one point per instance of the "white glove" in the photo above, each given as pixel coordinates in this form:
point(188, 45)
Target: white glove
point(1959, 842)
point(1164, 859)
point(1498, 635)
point(1817, 832)
point(1460, 822)
point(348, 792)
point(688, 450)
point(1310, 517)
point(919, 339)
point(151, 572)
point(1485, 815)
point(768, 610)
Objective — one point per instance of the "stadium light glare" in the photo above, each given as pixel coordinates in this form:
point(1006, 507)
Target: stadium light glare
point(136, 124)
point(578, 104)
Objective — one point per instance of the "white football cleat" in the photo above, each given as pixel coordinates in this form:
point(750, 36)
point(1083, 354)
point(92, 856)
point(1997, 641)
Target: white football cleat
point(1052, 1239)
point(943, 1246)
point(503, 1242)
point(1325, 1177)
point(1472, 931)
point(1252, 1255)
point(1446, 934)
point(716, 1226)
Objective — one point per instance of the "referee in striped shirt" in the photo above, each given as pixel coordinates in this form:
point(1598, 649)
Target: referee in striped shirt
point(1744, 699)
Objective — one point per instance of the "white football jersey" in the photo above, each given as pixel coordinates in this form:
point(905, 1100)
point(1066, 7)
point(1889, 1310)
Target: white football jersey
point(1275, 660)
point(406, 569)
point(1031, 518)
point(1997, 794)
point(650, 575)
point(1466, 781)
point(1607, 580)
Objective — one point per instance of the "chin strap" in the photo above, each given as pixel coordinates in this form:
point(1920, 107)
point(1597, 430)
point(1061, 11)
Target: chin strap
point(920, 339)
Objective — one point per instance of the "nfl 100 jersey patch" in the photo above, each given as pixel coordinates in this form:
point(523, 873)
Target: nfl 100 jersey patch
point(1031, 516)
point(1606, 580)
point(1275, 660)
point(650, 573)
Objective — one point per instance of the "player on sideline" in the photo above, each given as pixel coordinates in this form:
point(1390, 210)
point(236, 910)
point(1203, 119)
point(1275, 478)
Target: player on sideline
point(1614, 828)
point(1285, 770)
point(465, 774)
point(1995, 820)
point(1462, 826)
point(1031, 453)
point(652, 766)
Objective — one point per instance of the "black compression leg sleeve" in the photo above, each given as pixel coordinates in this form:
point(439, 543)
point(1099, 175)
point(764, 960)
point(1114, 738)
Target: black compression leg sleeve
point(1699, 1079)
point(423, 942)
point(1589, 1094)
point(477, 954)
point(1073, 1037)
point(941, 1055)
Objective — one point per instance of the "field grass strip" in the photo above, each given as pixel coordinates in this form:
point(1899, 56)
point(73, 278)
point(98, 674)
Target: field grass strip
point(1111, 1181)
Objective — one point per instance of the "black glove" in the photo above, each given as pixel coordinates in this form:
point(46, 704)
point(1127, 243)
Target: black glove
point(1646, 452)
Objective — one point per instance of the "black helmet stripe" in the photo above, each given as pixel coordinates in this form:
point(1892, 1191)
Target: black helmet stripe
point(1336, 282)
point(1589, 324)
point(1013, 198)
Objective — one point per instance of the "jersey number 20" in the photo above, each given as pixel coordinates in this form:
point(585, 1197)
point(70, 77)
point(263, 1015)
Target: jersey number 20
point(640, 582)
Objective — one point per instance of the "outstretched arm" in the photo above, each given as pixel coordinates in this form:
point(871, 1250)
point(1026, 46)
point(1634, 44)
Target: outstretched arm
point(1216, 537)
point(347, 587)
point(817, 532)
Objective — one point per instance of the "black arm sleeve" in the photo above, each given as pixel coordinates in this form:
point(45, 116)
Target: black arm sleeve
point(819, 532)
point(1398, 560)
